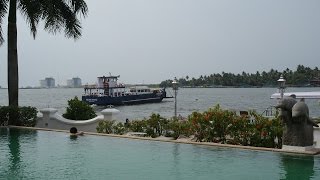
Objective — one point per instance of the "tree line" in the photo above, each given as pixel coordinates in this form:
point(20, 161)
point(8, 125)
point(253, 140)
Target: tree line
point(300, 77)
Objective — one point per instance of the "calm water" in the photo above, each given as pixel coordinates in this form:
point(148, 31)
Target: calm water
point(189, 100)
point(28, 154)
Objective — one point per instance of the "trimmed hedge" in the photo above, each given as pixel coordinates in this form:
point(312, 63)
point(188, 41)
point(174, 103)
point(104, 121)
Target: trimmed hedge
point(18, 116)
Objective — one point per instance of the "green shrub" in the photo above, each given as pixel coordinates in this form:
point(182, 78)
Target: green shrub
point(138, 126)
point(4, 115)
point(18, 116)
point(105, 126)
point(177, 128)
point(100, 127)
point(240, 131)
point(119, 128)
point(28, 116)
point(150, 132)
point(156, 125)
point(199, 126)
point(78, 110)
point(214, 125)
point(220, 123)
point(223, 126)
point(266, 131)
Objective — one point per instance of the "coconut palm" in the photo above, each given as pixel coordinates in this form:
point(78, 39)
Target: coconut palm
point(57, 15)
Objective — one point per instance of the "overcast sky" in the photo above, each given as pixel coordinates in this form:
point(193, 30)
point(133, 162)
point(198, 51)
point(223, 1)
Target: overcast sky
point(148, 41)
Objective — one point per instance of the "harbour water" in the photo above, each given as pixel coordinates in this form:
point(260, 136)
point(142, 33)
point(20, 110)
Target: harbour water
point(188, 100)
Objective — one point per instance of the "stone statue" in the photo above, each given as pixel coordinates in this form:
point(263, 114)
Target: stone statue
point(298, 127)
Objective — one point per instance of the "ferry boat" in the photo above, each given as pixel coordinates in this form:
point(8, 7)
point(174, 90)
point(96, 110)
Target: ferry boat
point(109, 92)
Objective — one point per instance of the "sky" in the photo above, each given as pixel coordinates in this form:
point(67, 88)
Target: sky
point(148, 41)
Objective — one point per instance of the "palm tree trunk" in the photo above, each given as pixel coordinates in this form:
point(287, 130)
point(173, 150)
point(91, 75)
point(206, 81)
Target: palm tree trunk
point(13, 76)
point(13, 80)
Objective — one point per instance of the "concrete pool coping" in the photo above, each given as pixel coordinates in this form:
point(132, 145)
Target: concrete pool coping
point(307, 152)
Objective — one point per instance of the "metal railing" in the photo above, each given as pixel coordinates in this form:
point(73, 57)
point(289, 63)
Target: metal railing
point(270, 111)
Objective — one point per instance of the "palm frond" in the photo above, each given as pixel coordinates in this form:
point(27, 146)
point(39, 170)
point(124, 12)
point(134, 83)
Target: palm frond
point(51, 14)
point(31, 10)
point(71, 23)
point(3, 11)
point(59, 14)
point(79, 6)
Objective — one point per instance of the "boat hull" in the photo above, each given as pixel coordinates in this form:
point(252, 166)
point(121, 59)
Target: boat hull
point(122, 100)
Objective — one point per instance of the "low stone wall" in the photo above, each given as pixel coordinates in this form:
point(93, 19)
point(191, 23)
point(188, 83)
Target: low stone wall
point(51, 120)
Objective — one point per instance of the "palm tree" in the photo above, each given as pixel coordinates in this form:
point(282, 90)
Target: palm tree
point(56, 14)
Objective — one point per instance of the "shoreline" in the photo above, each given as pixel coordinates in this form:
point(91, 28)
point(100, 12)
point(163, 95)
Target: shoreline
point(181, 141)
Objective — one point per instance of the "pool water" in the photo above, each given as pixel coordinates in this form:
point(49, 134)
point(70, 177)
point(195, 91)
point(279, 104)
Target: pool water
point(30, 154)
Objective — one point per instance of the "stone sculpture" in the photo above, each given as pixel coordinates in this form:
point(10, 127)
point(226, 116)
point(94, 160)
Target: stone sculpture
point(298, 127)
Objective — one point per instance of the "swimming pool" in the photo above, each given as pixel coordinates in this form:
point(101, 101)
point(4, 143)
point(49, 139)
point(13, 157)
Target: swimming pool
point(31, 154)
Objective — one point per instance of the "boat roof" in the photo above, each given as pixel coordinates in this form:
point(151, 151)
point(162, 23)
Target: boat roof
point(109, 77)
point(139, 87)
point(299, 95)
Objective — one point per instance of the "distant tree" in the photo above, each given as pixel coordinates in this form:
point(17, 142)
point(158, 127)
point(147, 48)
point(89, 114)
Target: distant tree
point(300, 77)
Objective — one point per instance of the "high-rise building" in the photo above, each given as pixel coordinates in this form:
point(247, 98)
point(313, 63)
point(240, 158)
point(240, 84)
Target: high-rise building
point(74, 82)
point(48, 82)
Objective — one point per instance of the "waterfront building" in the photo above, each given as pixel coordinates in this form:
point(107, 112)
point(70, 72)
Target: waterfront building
point(74, 82)
point(48, 82)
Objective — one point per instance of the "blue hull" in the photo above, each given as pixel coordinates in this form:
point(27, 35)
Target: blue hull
point(122, 100)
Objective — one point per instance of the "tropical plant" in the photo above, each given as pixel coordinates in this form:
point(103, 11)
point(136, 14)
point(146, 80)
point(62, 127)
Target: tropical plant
point(177, 128)
point(138, 126)
point(79, 110)
point(56, 14)
point(266, 131)
point(199, 126)
point(156, 124)
point(214, 125)
point(26, 116)
point(240, 130)
point(106, 126)
point(119, 128)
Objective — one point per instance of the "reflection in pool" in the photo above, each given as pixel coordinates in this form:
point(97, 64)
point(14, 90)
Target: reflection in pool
point(28, 154)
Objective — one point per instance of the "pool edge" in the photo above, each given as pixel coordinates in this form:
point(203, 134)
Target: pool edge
point(314, 152)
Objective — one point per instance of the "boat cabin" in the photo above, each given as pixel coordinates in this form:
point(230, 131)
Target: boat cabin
point(106, 86)
point(140, 90)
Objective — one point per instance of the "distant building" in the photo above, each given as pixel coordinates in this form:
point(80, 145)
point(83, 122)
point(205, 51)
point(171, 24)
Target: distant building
point(48, 82)
point(74, 82)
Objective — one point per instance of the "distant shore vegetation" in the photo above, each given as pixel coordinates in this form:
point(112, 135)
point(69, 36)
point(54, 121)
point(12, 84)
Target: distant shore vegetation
point(301, 77)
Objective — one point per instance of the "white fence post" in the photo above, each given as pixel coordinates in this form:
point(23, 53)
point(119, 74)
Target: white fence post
point(47, 114)
point(108, 113)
